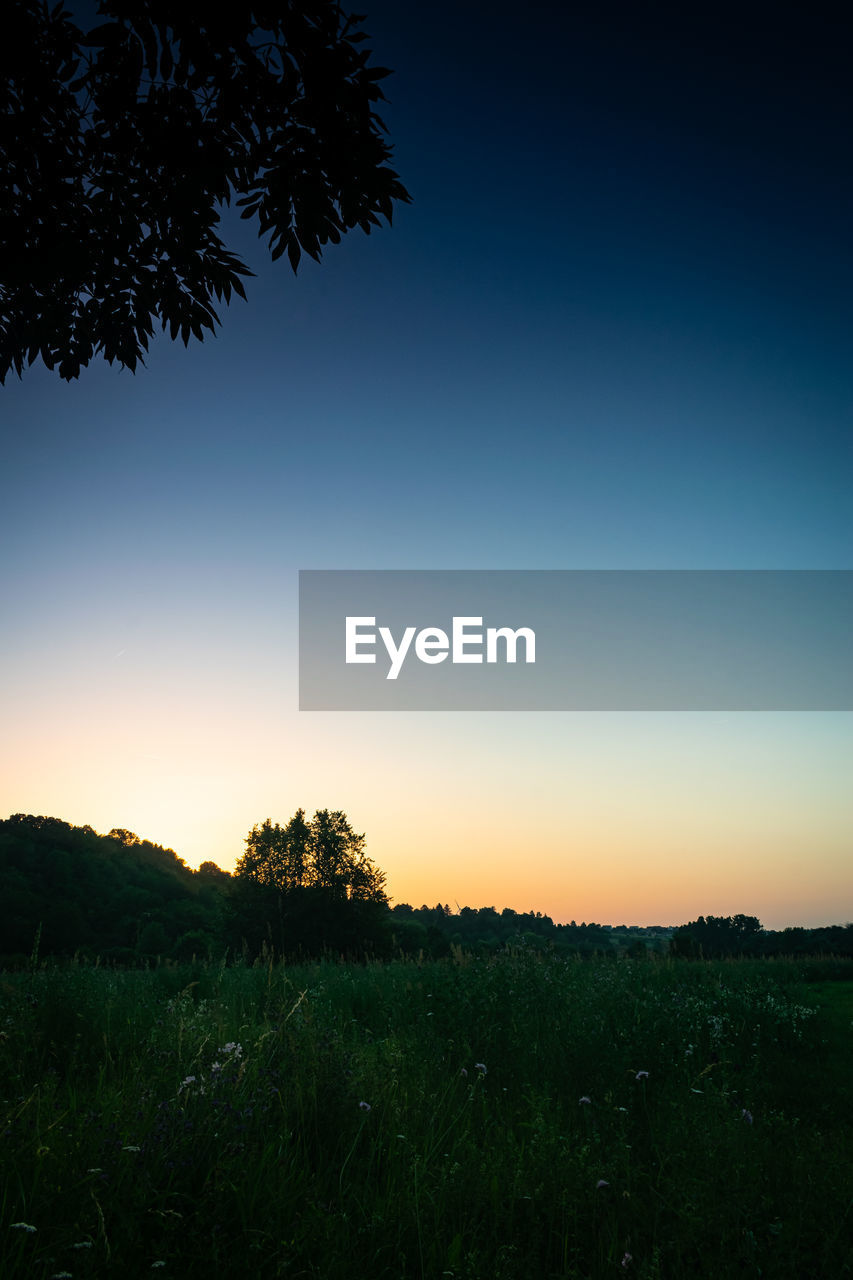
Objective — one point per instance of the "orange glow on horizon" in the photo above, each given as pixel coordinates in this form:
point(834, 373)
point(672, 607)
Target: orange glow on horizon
point(611, 818)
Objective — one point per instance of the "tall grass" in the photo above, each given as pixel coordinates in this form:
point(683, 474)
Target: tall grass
point(505, 1119)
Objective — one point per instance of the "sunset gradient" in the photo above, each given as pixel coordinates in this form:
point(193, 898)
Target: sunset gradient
point(603, 336)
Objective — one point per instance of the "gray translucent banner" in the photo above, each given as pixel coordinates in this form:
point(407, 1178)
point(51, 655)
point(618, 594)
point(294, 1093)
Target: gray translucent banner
point(575, 640)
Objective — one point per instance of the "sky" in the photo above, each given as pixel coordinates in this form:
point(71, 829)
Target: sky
point(612, 331)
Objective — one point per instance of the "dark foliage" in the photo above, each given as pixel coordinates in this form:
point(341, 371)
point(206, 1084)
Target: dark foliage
point(436, 929)
point(717, 936)
point(720, 937)
point(308, 888)
point(114, 896)
point(118, 147)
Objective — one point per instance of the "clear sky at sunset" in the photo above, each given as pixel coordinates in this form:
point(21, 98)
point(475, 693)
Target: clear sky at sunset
point(612, 331)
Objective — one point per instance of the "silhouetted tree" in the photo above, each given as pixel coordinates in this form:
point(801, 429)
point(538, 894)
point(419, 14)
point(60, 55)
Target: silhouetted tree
point(339, 862)
point(119, 146)
point(324, 853)
point(309, 886)
point(127, 838)
point(212, 874)
point(715, 936)
point(277, 856)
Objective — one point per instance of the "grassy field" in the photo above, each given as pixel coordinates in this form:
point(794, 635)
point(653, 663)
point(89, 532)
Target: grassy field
point(515, 1118)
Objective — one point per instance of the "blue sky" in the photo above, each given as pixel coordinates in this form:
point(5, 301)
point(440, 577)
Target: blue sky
point(611, 331)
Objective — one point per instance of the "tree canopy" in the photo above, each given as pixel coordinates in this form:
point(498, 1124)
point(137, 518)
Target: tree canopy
point(322, 853)
point(116, 896)
point(308, 887)
point(120, 145)
point(718, 936)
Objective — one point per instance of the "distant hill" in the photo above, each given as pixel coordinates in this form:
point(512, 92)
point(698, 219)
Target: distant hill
point(115, 895)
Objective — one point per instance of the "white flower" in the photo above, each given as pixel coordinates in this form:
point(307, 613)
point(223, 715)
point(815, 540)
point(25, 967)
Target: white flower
point(364, 1106)
point(22, 1226)
point(641, 1075)
point(481, 1067)
point(130, 1148)
point(602, 1182)
point(587, 1102)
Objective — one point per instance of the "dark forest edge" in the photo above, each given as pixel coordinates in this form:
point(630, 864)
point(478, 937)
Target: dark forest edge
point(303, 891)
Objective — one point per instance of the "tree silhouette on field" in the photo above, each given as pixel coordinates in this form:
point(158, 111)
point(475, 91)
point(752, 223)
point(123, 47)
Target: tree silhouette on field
point(717, 936)
point(308, 887)
point(118, 147)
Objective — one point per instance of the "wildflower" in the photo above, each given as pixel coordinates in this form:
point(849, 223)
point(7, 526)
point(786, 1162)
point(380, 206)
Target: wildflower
point(464, 1073)
point(364, 1106)
point(746, 1115)
point(585, 1101)
point(626, 1260)
point(481, 1067)
point(641, 1075)
point(602, 1182)
point(189, 1080)
point(130, 1148)
point(232, 1047)
point(22, 1226)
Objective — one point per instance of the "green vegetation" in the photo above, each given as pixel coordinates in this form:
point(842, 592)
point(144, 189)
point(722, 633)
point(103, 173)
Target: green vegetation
point(518, 1117)
point(305, 890)
point(113, 896)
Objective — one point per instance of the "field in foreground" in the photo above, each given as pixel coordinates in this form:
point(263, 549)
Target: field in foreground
point(513, 1118)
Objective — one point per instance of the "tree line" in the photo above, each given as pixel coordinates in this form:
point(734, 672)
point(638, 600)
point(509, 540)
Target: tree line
point(301, 890)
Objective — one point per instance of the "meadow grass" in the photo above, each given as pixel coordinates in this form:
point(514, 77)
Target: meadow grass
point(519, 1117)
